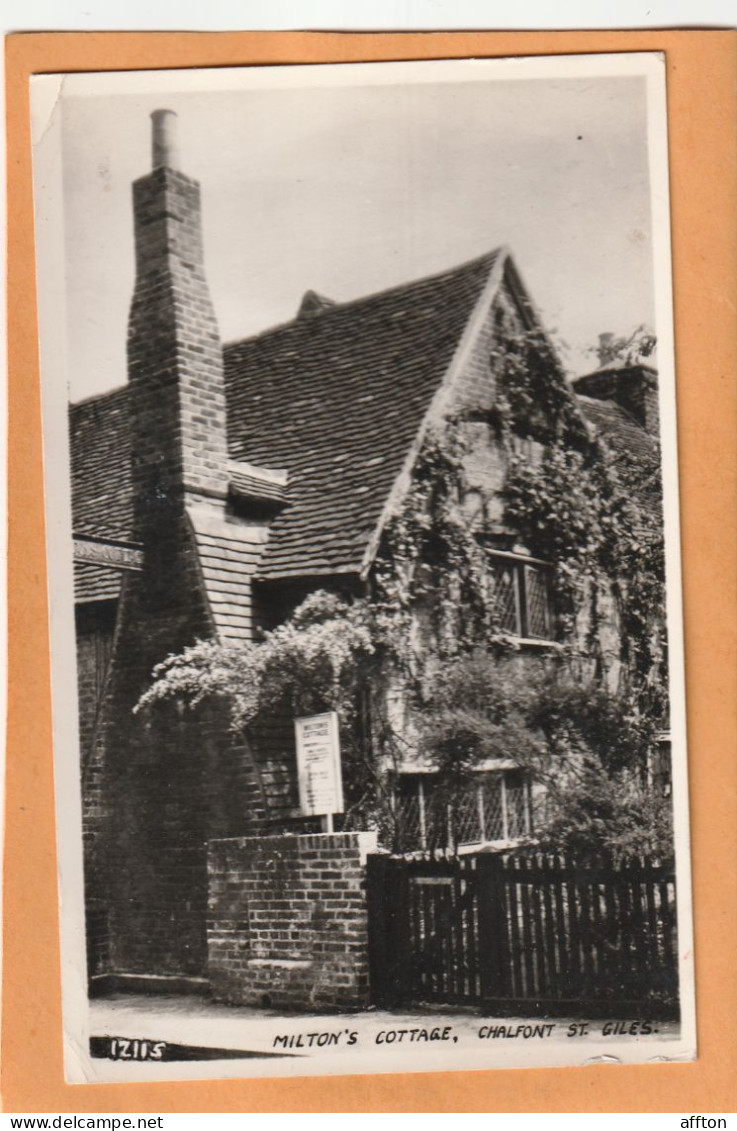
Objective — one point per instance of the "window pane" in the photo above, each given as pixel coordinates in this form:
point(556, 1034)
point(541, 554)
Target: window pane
point(436, 814)
point(492, 799)
point(516, 790)
point(538, 611)
point(423, 813)
point(467, 817)
point(477, 812)
point(506, 597)
point(409, 815)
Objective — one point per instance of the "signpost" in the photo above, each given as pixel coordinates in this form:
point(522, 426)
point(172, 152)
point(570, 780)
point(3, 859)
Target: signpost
point(318, 767)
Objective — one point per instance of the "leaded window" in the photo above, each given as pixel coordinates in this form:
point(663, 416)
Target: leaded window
point(492, 805)
point(521, 595)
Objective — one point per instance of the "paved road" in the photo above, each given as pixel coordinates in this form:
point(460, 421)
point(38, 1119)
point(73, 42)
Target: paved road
point(454, 1034)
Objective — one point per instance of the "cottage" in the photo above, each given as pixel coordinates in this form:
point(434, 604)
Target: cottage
point(226, 482)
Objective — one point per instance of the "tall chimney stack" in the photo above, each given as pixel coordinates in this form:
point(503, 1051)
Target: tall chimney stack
point(175, 359)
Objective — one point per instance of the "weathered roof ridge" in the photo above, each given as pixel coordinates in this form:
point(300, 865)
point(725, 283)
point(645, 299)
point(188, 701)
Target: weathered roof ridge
point(339, 399)
point(116, 389)
point(615, 367)
point(396, 288)
point(620, 409)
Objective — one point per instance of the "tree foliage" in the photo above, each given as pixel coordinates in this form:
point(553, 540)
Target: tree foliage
point(584, 744)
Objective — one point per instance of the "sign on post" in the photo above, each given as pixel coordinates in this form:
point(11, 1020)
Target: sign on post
point(318, 766)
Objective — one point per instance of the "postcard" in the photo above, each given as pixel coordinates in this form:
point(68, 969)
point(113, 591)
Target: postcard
point(363, 539)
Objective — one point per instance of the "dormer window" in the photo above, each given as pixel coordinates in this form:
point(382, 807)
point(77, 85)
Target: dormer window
point(522, 595)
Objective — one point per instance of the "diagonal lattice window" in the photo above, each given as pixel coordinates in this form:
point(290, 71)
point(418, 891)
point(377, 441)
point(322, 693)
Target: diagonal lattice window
point(494, 806)
point(505, 591)
point(467, 817)
point(520, 594)
point(537, 602)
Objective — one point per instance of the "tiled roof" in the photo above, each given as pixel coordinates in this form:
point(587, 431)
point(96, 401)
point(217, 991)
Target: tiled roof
point(632, 447)
point(101, 484)
point(100, 458)
point(313, 303)
point(616, 424)
point(95, 582)
point(258, 483)
point(228, 553)
point(337, 399)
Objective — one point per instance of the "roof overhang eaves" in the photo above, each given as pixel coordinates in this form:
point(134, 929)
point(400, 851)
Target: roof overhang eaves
point(304, 573)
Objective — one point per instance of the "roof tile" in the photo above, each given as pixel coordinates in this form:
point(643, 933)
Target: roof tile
point(339, 392)
point(336, 398)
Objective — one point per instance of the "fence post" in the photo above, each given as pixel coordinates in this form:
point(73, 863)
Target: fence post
point(492, 920)
point(389, 944)
point(376, 885)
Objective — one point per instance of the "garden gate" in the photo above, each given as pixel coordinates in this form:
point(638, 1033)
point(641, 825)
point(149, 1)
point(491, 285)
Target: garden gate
point(524, 934)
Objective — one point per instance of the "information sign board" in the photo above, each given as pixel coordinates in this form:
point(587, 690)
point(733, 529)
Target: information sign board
point(318, 765)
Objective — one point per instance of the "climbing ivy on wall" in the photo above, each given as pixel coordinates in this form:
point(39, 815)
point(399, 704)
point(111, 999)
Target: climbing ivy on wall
point(598, 520)
point(532, 400)
point(432, 566)
point(430, 600)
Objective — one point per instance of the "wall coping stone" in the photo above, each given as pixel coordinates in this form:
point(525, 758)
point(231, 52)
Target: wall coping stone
point(281, 963)
point(365, 841)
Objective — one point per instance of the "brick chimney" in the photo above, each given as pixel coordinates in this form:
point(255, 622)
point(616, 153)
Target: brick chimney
point(625, 379)
point(606, 350)
point(634, 387)
point(175, 365)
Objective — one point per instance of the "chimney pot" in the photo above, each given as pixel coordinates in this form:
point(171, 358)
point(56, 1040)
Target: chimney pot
point(605, 350)
point(164, 140)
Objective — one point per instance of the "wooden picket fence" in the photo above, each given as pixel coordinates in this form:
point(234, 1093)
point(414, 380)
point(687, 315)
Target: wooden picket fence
point(534, 933)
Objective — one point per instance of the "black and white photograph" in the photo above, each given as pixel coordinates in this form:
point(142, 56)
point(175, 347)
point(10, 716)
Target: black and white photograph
point(362, 525)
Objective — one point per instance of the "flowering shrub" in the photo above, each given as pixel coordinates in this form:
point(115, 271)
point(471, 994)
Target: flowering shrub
point(311, 663)
point(586, 745)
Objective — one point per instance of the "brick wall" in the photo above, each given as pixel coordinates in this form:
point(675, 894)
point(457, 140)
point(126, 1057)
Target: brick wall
point(287, 920)
point(175, 365)
point(161, 783)
point(95, 626)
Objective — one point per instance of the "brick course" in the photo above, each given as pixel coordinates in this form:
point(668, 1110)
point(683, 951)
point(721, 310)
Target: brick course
point(159, 784)
point(175, 362)
point(287, 920)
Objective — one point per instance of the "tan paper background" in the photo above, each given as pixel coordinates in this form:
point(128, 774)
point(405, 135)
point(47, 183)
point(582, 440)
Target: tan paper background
point(702, 96)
